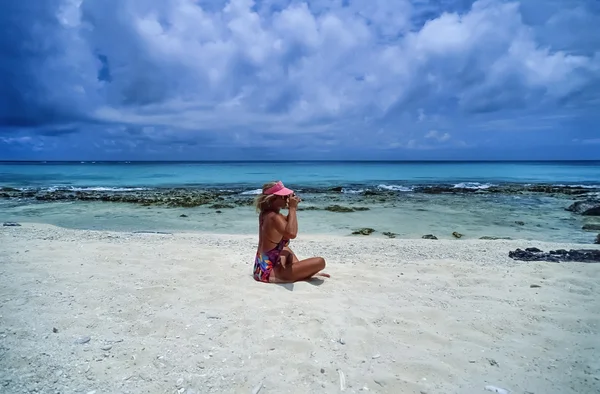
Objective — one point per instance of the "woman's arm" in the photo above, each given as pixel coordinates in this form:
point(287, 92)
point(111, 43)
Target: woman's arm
point(288, 227)
point(292, 222)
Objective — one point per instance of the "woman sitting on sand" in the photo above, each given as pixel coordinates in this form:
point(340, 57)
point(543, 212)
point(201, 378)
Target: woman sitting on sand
point(275, 262)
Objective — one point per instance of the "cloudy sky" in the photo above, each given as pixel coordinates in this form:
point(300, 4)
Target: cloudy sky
point(280, 79)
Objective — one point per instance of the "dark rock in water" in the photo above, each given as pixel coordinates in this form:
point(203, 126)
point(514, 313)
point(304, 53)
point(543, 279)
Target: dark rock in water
point(311, 208)
point(534, 286)
point(533, 250)
point(556, 256)
point(597, 239)
point(371, 193)
point(592, 211)
point(183, 215)
point(456, 234)
point(364, 231)
point(520, 223)
point(487, 237)
point(552, 189)
point(591, 227)
point(340, 208)
point(221, 206)
point(429, 236)
point(337, 189)
point(389, 234)
point(559, 251)
point(442, 189)
point(11, 224)
point(217, 211)
point(585, 206)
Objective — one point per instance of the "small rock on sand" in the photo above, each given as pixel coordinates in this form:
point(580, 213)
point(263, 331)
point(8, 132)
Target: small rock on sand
point(497, 390)
point(364, 231)
point(82, 340)
point(257, 388)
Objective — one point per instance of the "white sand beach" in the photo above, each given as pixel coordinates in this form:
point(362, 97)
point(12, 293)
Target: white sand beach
point(180, 313)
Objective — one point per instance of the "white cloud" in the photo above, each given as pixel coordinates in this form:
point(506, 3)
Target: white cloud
point(301, 67)
point(437, 136)
point(591, 141)
point(16, 140)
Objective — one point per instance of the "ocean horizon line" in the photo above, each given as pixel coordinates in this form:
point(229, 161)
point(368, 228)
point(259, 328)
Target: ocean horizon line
point(91, 161)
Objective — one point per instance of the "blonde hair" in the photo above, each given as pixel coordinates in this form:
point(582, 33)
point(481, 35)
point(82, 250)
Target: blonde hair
point(263, 201)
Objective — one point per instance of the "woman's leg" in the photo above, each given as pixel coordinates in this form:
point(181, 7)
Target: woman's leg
point(293, 270)
point(296, 260)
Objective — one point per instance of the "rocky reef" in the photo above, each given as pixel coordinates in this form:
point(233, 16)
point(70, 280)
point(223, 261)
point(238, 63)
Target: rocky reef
point(181, 197)
point(507, 189)
point(192, 197)
point(556, 256)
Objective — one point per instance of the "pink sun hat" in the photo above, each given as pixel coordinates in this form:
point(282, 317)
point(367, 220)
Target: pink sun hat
point(278, 190)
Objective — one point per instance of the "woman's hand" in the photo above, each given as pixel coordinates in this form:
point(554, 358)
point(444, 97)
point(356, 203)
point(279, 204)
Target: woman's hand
point(293, 201)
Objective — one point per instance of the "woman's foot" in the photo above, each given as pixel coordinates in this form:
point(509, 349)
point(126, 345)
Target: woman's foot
point(323, 274)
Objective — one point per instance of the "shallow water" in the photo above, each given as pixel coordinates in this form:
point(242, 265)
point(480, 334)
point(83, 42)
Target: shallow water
point(400, 209)
point(544, 218)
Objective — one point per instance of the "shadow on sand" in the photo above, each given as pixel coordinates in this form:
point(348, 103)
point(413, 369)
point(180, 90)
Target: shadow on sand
point(311, 281)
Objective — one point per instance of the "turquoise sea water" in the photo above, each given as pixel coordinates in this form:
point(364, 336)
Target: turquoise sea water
point(403, 206)
point(252, 174)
